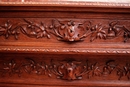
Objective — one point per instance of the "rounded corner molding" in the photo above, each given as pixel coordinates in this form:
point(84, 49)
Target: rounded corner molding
point(69, 3)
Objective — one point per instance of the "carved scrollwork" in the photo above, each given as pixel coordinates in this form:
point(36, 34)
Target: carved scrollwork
point(66, 30)
point(66, 70)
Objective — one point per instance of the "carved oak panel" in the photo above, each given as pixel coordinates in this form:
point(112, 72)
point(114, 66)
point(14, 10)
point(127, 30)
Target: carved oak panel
point(70, 30)
point(64, 44)
point(70, 68)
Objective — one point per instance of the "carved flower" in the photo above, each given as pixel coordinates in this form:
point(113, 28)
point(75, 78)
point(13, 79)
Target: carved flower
point(35, 67)
point(92, 69)
point(97, 32)
point(7, 29)
point(42, 31)
point(35, 30)
point(126, 34)
point(11, 68)
point(120, 73)
point(127, 70)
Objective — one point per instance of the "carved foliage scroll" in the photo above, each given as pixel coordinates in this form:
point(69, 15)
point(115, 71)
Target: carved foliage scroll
point(66, 30)
point(66, 70)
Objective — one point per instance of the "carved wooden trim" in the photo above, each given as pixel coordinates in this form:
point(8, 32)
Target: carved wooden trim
point(62, 3)
point(67, 30)
point(67, 69)
point(66, 50)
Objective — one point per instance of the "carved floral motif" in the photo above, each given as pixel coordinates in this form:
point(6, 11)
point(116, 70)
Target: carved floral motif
point(66, 70)
point(98, 32)
point(11, 68)
point(9, 29)
point(69, 30)
point(34, 29)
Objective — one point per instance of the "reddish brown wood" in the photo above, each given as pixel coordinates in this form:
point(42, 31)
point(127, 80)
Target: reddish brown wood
point(64, 45)
point(67, 30)
point(11, 0)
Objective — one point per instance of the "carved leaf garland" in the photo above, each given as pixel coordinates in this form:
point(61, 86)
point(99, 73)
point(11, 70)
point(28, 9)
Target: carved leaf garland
point(66, 70)
point(65, 30)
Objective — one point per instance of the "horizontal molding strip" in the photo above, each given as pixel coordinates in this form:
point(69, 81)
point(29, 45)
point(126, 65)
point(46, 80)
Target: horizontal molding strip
point(67, 3)
point(64, 50)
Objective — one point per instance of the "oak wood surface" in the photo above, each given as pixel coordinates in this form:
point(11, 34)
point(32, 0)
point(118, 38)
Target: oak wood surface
point(64, 46)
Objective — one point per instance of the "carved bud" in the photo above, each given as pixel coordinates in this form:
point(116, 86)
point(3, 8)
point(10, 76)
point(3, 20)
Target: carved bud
point(29, 26)
point(63, 27)
point(32, 33)
point(6, 25)
point(51, 27)
point(38, 30)
point(69, 23)
point(93, 29)
point(73, 23)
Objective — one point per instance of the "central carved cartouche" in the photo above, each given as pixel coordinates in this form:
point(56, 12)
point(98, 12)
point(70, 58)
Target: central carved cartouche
point(70, 70)
point(69, 30)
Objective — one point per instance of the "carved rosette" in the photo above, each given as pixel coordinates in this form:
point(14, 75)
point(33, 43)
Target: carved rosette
point(66, 70)
point(66, 30)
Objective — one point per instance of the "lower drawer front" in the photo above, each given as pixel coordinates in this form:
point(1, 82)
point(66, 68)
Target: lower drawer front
point(56, 70)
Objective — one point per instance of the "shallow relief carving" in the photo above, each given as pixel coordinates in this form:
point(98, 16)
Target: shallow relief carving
point(69, 69)
point(67, 30)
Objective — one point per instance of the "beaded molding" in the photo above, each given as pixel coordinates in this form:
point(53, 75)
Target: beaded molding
point(50, 50)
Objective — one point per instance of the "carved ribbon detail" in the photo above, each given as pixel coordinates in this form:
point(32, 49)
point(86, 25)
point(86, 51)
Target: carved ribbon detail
point(69, 30)
point(66, 70)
